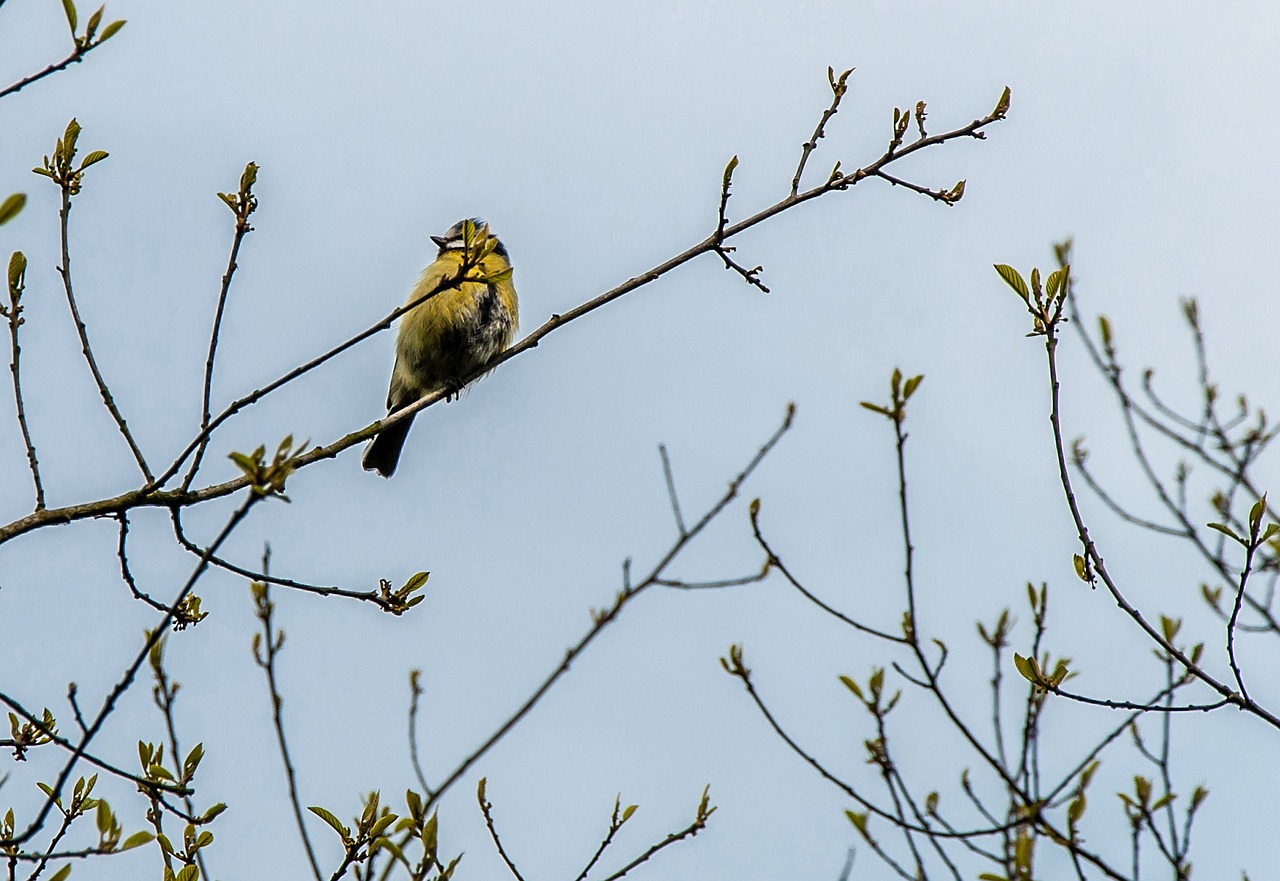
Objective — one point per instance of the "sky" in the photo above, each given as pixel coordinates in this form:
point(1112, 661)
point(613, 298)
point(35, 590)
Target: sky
point(592, 137)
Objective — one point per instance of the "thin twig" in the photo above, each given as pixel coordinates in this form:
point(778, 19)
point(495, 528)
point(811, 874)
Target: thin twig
point(244, 205)
point(64, 270)
point(125, 572)
point(321, 589)
point(14, 315)
point(76, 55)
point(486, 809)
point(775, 562)
point(1094, 557)
point(129, 676)
point(152, 496)
point(671, 488)
point(415, 694)
point(838, 88)
point(266, 646)
point(604, 617)
point(699, 823)
point(163, 694)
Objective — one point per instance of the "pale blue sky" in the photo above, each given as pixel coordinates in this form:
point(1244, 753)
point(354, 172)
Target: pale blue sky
point(592, 136)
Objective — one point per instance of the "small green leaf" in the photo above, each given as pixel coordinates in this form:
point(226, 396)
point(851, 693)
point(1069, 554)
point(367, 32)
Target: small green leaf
point(343, 831)
point(94, 20)
point(189, 873)
point(93, 158)
point(1226, 530)
point(859, 821)
point(626, 814)
point(1028, 667)
point(1082, 568)
point(18, 269)
point(110, 31)
point(1014, 280)
point(69, 7)
point(852, 686)
point(11, 206)
point(1002, 107)
point(1255, 515)
point(61, 874)
point(137, 839)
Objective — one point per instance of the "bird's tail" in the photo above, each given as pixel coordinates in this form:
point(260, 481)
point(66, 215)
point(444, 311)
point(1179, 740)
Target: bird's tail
point(383, 452)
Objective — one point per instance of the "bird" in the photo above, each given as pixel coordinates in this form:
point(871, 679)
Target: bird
point(445, 339)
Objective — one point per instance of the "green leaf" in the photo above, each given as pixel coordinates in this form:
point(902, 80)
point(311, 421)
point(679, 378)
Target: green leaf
point(110, 31)
point(1014, 280)
point(61, 874)
point(93, 158)
point(1226, 530)
point(1028, 667)
point(416, 581)
point(626, 814)
point(912, 384)
point(1255, 515)
point(214, 811)
point(876, 408)
point(94, 20)
point(11, 206)
point(137, 839)
point(190, 873)
point(1075, 810)
point(69, 7)
point(852, 686)
point(1082, 568)
point(859, 821)
point(343, 831)
point(18, 268)
point(1002, 107)
point(728, 170)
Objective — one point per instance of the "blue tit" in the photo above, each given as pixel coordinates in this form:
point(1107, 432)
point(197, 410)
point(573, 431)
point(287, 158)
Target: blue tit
point(448, 337)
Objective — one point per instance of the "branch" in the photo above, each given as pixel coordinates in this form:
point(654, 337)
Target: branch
point(838, 89)
point(486, 808)
point(151, 495)
point(1094, 557)
point(127, 680)
point(266, 645)
point(65, 271)
point(242, 204)
point(17, 273)
point(604, 617)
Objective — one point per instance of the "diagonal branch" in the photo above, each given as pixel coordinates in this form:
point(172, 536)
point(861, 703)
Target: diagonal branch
point(152, 495)
point(65, 271)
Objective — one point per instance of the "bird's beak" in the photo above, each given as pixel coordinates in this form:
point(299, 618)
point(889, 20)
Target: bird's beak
point(439, 240)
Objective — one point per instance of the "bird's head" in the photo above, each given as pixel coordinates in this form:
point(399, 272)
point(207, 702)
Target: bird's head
point(468, 231)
